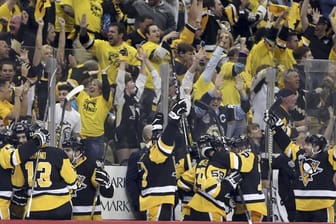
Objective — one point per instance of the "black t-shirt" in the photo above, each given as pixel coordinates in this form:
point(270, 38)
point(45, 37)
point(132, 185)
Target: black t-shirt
point(320, 48)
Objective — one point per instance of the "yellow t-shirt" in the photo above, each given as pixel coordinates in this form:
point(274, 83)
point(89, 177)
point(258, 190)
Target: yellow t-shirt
point(200, 87)
point(5, 109)
point(109, 55)
point(149, 47)
point(5, 12)
point(229, 92)
point(93, 111)
point(260, 54)
point(69, 21)
point(92, 9)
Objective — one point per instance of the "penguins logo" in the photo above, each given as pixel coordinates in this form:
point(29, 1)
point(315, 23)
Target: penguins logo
point(80, 185)
point(308, 169)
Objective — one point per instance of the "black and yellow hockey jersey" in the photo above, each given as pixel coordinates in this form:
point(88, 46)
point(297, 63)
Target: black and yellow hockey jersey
point(83, 196)
point(248, 164)
point(211, 193)
point(11, 157)
point(313, 185)
point(54, 176)
point(158, 178)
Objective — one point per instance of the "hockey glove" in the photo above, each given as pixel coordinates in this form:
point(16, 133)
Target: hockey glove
point(102, 178)
point(272, 120)
point(177, 110)
point(204, 143)
point(19, 197)
point(234, 179)
point(41, 137)
point(157, 126)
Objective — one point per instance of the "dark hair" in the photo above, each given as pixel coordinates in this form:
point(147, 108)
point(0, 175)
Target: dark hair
point(7, 62)
point(64, 86)
point(146, 31)
point(142, 18)
point(121, 28)
point(299, 52)
point(208, 3)
point(290, 35)
point(182, 48)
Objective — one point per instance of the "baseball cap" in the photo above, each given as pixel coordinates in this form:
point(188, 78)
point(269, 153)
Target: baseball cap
point(324, 20)
point(285, 92)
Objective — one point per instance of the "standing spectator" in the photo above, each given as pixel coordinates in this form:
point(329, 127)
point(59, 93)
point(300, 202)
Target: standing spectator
point(317, 38)
point(138, 36)
point(209, 110)
point(4, 50)
point(183, 59)
point(127, 98)
point(7, 10)
point(93, 11)
point(93, 106)
point(107, 52)
point(292, 82)
point(210, 24)
point(259, 90)
point(9, 111)
point(71, 118)
point(44, 65)
point(158, 55)
point(301, 54)
point(163, 15)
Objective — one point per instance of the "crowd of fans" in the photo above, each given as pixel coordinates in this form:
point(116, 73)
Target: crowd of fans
point(227, 59)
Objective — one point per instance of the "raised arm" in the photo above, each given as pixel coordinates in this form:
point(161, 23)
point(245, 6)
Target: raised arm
point(83, 34)
point(61, 42)
point(304, 15)
point(38, 43)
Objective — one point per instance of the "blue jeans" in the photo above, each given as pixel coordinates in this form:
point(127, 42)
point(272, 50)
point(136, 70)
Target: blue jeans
point(94, 148)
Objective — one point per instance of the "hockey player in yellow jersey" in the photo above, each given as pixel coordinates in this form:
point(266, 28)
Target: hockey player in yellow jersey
point(48, 176)
point(91, 178)
point(157, 170)
point(10, 157)
point(315, 167)
point(249, 166)
point(212, 186)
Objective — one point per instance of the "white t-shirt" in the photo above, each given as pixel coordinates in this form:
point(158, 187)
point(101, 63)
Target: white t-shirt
point(72, 118)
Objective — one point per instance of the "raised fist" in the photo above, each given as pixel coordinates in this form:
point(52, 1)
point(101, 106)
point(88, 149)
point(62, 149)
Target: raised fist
point(157, 126)
point(177, 110)
point(272, 120)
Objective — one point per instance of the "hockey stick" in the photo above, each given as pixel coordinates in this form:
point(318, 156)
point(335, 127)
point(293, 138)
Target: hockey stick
point(67, 99)
point(247, 213)
point(30, 200)
point(270, 80)
point(95, 199)
point(184, 124)
point(52, 80)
